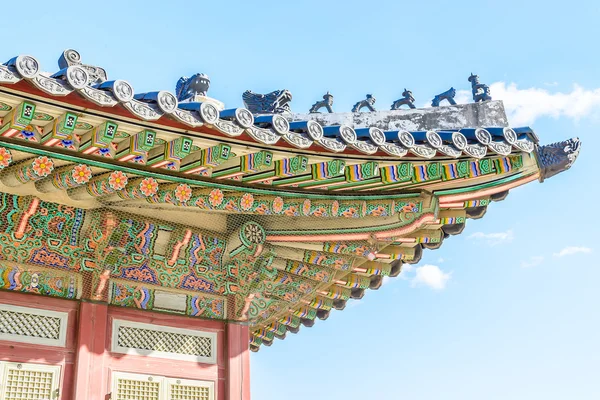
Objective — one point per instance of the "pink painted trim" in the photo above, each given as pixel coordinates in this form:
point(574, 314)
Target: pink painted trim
point(260, 179)
point(322, 186)
point(201, 247)
point(448, 201)
point(102, 284)
point(194, 170)
point(295, 183)
point(51, 142)
point(160, 164)
point(128, 157)
point(90, 150)
point(406, 240)
point(25, 219)
point(460, 204)
point(407, 229)
point(259, 250)
point(354, 236)
point(232, 175)
point(10, 133)
point(179, 245)
point(247, 303)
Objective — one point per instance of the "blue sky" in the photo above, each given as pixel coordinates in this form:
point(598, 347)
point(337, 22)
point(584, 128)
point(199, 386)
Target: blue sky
point(499, 312)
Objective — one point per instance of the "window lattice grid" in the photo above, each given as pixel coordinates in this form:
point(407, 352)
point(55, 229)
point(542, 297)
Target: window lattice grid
point(28, 385)
point(132, 389)
point(188, 392)
point(32, 325)
point(168, 342)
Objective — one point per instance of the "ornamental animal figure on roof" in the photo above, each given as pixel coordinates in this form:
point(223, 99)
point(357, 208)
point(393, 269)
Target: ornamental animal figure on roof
point(70, 57)
point(447, 95)
point(276, 102)
point(558, 157)
point(369, 103)
point(188, 88)
point(407, 99)
point(481, 92)
point(326, 103)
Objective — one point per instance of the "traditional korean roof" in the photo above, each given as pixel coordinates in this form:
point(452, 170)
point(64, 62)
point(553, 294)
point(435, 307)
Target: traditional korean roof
point(172, 202)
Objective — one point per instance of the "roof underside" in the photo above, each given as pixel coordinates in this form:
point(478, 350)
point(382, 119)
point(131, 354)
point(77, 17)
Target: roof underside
point(266, 219)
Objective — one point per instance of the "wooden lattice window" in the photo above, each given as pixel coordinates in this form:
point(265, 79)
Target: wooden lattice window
point(164, 342)
point(180, 389)
point(29, 381)
point(126, 386)
point(33, 325)
point(136, 386)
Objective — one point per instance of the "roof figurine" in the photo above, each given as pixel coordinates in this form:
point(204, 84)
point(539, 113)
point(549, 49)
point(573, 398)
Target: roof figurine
point(188, 88)
point(447, 95)
point(326, 103)
point(407, 99)
point(368, 103)
point(70, 57)
point(481, 92)
point(276, 102)
point(558, 157)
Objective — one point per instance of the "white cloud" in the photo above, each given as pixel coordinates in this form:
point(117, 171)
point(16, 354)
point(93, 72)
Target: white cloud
point(406, 270)
point(525, 106)
point(440, 260)
point(494, 238)
point(430, 275)
point(567, 251)
point(532, 262)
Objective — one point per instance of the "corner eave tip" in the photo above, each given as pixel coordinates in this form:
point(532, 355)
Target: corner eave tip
point(557, 157)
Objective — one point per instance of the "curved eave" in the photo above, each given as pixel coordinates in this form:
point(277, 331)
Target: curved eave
point(381, 194)
point(266, 137)
point(241, 169)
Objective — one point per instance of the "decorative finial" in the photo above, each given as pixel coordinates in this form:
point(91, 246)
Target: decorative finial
point(447, 95)
point(481, 92)
point(327, 102)
point(368, 103)
point(276, 102)
point(558, 157)
point(407, 99)
point(70, 57)
point(188, 88)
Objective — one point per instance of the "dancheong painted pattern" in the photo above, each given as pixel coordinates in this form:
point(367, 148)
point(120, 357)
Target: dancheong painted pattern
point(256, 214)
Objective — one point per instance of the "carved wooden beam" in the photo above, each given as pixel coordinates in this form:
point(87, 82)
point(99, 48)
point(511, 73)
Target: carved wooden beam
point(28, 170)
point(64, 178)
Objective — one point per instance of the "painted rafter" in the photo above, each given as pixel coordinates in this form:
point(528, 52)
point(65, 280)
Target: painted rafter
point(304, 223)
point(171, 152)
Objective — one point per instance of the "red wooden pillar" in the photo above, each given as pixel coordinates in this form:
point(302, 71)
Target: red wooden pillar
point(238, 362)
point(90, 377)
